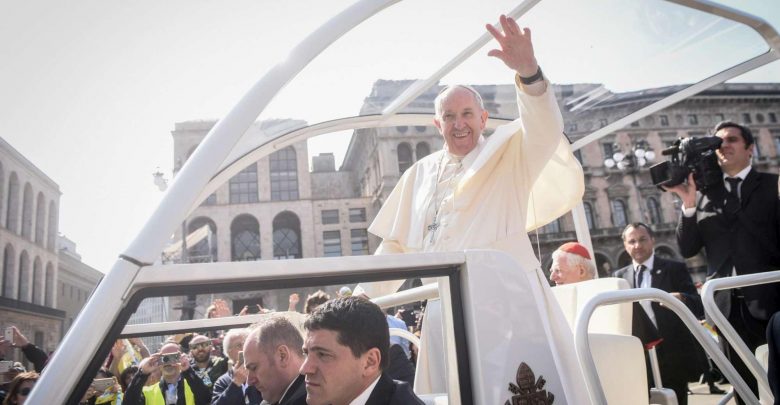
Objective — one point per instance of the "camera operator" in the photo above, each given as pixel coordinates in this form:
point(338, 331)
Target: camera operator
point(179, 385)
point(737, 222)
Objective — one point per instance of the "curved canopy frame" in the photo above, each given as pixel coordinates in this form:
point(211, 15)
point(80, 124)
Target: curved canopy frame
point(205, 166)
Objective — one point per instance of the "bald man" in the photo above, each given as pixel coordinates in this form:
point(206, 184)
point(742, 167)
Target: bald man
point(179, 384)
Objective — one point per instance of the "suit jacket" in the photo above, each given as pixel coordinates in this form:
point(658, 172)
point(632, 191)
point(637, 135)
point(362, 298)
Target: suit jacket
point(679, 356)
point(747, 242)
point(296, 395)
point(391, 392)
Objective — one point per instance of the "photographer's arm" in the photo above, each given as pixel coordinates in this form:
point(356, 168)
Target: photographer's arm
point(134, 394)
point(688, 237)
point(199, 390)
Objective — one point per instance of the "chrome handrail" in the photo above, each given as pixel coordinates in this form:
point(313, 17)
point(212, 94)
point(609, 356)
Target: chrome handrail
point(724, 326)
point(582, 341)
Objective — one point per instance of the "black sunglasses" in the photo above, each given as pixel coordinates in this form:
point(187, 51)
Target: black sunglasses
point(25, 391)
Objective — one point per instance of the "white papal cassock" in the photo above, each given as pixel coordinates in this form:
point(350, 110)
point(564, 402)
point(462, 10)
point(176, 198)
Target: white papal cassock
point(520, 178)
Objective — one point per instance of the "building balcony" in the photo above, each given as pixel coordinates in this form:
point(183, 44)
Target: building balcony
point(16, 305)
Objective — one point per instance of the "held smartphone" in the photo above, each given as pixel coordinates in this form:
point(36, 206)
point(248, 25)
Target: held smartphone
point(240, 359)
point(9, 334)
point(102, 384)
point(5, 366)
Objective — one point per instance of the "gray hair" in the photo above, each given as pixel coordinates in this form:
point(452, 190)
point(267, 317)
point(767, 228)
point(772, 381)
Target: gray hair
point(232, 335)
point(576, 260)
point(439, 100)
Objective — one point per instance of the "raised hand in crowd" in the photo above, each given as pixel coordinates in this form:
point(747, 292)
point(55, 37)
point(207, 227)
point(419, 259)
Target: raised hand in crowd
point(294, 300)
point(221, 309)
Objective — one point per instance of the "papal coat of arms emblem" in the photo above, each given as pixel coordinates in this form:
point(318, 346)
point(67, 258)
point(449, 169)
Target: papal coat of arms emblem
point(529, 391)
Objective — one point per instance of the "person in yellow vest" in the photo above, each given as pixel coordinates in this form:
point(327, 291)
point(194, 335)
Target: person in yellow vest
point(179, 385)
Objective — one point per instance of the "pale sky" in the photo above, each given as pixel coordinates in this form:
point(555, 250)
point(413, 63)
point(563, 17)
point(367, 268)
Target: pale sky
point(91, 89)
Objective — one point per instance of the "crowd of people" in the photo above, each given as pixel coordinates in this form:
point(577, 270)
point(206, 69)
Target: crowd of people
point(263, 362)
point(475, 193)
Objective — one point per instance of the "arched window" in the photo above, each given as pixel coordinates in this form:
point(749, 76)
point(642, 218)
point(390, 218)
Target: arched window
point(12, 216)
point(423, 150)
point(9, 266)
point(589, 215)
point(205, 249)
point(245, 237)
point(40, 218)
point(603, 266)
point(243, 186)
point(49, 288)
point(37, 284)
point(287, 236)
point(655, 210)
point(284, 175)
point(624, 260)
point(665, 252)
point(619, 216)
point(27, 212)
point(51, 236)
point(404, 157)
point(23, 293)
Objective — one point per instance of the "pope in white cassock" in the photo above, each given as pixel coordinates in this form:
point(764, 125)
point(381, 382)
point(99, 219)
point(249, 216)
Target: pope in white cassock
point(481, 193)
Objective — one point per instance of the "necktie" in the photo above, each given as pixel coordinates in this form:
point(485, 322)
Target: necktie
point(734, 186)
point(639, 273)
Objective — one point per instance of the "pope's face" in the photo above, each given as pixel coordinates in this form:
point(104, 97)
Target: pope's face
point(460, 121)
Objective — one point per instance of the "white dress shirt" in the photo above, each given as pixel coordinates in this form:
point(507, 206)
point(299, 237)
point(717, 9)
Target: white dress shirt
point(689, 212)
point(646, 282)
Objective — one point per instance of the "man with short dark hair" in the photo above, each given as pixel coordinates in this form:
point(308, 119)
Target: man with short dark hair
point(737, 223)
point(179, 385)
point(273, 358)
point(678, 357)
point(346, 349)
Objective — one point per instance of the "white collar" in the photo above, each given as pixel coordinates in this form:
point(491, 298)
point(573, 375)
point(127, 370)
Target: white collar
point(742, 174)
point(363, 397)
point(647, 263)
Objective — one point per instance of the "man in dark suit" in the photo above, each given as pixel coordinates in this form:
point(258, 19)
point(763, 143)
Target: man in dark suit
point(679, 358)
point(273, 357)
point(346, 346)
point(737, 222)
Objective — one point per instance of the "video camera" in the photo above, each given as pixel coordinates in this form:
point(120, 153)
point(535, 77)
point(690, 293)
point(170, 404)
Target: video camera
point(690, 155)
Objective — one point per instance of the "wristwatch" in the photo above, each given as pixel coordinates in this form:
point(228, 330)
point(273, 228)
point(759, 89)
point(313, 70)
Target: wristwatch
point(537, 77)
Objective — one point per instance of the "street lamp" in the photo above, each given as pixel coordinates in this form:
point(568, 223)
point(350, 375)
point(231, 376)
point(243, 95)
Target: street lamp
point(637, 157)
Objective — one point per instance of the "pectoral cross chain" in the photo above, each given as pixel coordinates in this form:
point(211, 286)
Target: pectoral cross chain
point(433, 227)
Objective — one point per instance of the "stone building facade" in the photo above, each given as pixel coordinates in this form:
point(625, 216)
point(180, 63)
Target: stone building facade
point(76, 281)
point(276, 208)
point(326, 211)
point(29, 207)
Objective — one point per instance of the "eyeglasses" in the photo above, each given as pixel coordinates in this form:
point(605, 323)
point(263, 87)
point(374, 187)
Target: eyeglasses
point(200, 346)
point(25, 391)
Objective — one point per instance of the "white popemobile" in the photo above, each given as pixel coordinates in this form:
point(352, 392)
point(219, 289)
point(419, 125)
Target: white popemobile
point(507, 337)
